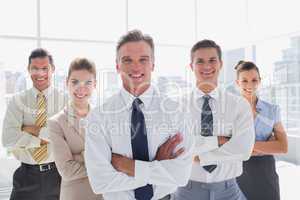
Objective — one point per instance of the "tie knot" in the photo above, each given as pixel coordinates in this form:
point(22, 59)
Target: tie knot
point(206, 97)
point(40, 94)
point(136, 103)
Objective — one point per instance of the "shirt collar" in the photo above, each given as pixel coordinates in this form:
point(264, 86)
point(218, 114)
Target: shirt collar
point(146, 97)
point(259, 105)
point(198, 94)
point(46, 92)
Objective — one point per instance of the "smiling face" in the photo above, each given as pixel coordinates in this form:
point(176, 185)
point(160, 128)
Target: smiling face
point(40, 72)
point(135, 65)
point(248, 82)
point(81, 84)
point(206, 66)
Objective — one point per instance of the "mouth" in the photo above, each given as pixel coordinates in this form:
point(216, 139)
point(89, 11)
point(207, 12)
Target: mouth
point(136, 76)
point(79, 96)
point(248, 91)
point(207, 73)
point(40, 80)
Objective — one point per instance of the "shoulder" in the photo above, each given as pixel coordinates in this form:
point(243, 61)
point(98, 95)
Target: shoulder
point(235, 99)
point(19, 99)
point(57, 120)
point(167, 104)
point(105, 108)
point(267, 106)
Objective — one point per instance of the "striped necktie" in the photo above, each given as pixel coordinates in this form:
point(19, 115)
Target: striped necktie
point(207, 126)
point(40, 154)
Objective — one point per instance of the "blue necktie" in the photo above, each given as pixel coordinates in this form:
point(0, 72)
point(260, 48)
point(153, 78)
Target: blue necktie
point(139, 145)
point(207, 126)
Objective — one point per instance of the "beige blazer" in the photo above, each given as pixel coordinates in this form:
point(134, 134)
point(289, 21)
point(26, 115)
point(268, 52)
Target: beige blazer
point(67, 138)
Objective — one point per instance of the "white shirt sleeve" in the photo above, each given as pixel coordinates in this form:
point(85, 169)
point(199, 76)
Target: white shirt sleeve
point(206, 144)
point(13, 136)
point(174, 172)
point(44, 133)
point(102, 175)
point(240, 146)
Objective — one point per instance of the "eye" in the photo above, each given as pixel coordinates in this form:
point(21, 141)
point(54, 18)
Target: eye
point(45, 69)
point(212, 60)
point(33, 69)
point(144, 60)
point(75, 82)
point(88, 83)
point(126, 61)
point(199, 62)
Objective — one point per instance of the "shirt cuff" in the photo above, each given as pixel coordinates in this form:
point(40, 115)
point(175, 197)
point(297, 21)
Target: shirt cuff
point(44, 134)
point(28, 141)
point(206, 144)
point(142, 171)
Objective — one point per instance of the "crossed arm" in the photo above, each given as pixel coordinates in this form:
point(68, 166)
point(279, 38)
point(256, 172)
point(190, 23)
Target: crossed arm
point(15, 133)
point(109, 172)
point(165, 152)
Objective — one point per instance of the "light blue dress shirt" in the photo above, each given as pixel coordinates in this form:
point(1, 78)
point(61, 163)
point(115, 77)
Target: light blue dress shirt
point(268, 115)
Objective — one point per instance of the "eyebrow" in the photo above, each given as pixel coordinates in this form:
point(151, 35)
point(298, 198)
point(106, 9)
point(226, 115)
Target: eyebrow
point(128, 57)
point(41, 67)
point(74, 79)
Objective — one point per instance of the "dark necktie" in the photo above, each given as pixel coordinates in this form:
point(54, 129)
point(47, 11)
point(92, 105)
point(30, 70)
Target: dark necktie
point(139, 145)
point(207, 126)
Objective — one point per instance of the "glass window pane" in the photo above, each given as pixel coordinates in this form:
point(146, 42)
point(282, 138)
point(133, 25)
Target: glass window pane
point(279, 60)
point(223, 21)
point(64, 52)
point(18, 17)
point(102, 54)
point(84, 19)
point(168, 21)
point(267, 19)
point(172, 61)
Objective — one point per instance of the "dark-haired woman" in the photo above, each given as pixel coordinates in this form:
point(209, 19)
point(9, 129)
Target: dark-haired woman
point(259, 180)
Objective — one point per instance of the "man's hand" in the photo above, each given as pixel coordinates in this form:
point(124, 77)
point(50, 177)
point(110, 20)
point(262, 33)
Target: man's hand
point(196, 159)
point(222, 140)
point(123, 164)
point(31, 129)
point(166, 150)
point(43, 142)
point(272, 138)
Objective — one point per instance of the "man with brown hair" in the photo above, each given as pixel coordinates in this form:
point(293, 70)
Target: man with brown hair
point(26, 135)
point(214, 116)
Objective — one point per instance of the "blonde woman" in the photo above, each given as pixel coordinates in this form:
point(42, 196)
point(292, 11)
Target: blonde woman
point(67, 133)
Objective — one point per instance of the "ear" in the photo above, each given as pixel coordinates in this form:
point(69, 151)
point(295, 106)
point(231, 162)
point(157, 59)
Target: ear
point(191, 66)
point(95, 83)
point(237, 82)
point(152, 67)
point(221, 61)
point(118, 67)
point(67, 81)
point(52, 67)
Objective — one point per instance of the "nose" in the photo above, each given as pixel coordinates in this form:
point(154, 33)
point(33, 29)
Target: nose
point(81, 87)
point(136, 66)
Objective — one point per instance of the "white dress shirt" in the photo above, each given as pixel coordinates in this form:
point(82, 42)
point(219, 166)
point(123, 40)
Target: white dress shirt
point(22, 110)
point(108, 131)
point(231, 117)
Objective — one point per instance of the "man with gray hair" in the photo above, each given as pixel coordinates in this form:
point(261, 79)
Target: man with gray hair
point(136, 147)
